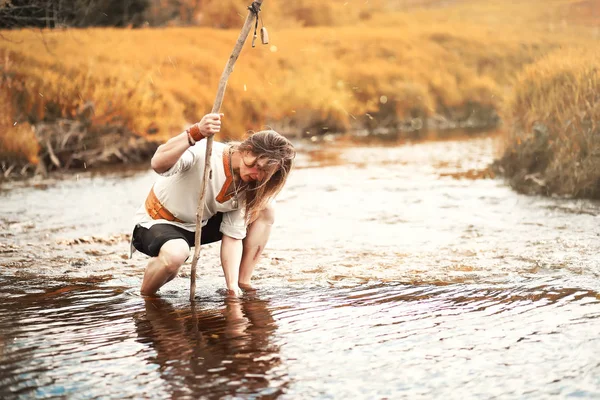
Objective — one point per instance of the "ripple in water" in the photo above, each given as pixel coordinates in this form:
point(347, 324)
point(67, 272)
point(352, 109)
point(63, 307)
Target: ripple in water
point(434, 341)
point(85, 340)
point(499, 293)
point(89, 340)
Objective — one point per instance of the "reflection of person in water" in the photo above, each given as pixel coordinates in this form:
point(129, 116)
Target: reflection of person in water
point(210, 352)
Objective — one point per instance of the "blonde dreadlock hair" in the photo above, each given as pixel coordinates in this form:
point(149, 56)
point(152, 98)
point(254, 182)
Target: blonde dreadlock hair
point(279, 154)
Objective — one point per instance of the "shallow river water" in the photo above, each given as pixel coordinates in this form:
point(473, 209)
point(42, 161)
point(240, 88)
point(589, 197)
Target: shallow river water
point(393, 272)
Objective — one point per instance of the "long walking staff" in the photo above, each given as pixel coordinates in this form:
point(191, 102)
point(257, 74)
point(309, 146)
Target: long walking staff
point(254, 9)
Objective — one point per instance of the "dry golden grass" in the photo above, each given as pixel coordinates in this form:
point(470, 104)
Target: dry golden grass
point(419, 62)
point(17, 140)
point(554, 140)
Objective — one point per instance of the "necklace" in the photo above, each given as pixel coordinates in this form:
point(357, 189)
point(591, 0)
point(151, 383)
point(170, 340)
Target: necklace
point(234, 202)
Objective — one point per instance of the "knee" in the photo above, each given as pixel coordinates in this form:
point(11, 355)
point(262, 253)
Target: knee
point(173, 254)
point(267, 215)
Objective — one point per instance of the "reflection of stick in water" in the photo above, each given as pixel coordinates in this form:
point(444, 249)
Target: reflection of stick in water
point(196, 348)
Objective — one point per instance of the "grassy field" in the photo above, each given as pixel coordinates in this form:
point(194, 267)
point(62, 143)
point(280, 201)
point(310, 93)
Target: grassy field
point(400, 61)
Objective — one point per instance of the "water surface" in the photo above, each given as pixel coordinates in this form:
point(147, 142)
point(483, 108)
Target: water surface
point(392, 272)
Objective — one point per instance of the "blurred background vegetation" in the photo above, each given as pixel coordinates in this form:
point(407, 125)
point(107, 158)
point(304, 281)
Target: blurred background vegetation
point(89, 82)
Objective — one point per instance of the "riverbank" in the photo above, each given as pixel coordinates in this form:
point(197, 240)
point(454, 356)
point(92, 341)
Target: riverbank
point(553, 135)
point(74, 145)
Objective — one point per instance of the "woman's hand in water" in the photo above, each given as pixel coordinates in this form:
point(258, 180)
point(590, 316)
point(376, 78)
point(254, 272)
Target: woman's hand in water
point(234, 292)
point(246, 287)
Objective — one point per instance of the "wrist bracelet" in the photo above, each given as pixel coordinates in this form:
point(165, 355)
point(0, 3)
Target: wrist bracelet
point(194, 131)
point(191, 140)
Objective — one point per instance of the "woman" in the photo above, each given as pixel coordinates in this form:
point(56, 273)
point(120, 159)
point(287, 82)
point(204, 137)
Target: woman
point(238, 209)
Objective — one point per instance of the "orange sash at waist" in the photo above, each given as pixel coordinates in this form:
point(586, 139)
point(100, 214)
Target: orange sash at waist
point(156, 210)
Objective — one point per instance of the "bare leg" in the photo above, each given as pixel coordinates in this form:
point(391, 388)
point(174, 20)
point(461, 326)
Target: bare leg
point(254, 244)
point(164, 267)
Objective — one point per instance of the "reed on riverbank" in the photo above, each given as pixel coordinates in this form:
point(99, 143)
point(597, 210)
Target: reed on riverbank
point(553, 135)
point(413, 70)
point(17, 140)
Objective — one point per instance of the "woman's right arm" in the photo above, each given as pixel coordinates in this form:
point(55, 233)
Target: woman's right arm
point(167, 154)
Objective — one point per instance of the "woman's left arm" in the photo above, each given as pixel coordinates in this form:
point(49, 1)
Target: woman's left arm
point(231, 257)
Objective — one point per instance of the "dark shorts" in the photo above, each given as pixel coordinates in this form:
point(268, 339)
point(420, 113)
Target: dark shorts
point(149, 241)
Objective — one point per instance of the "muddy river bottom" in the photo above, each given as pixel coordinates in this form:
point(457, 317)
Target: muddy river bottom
point(392, 272)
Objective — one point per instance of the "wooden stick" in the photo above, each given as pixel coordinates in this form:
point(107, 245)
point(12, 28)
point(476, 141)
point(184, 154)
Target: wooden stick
point(209, 141)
